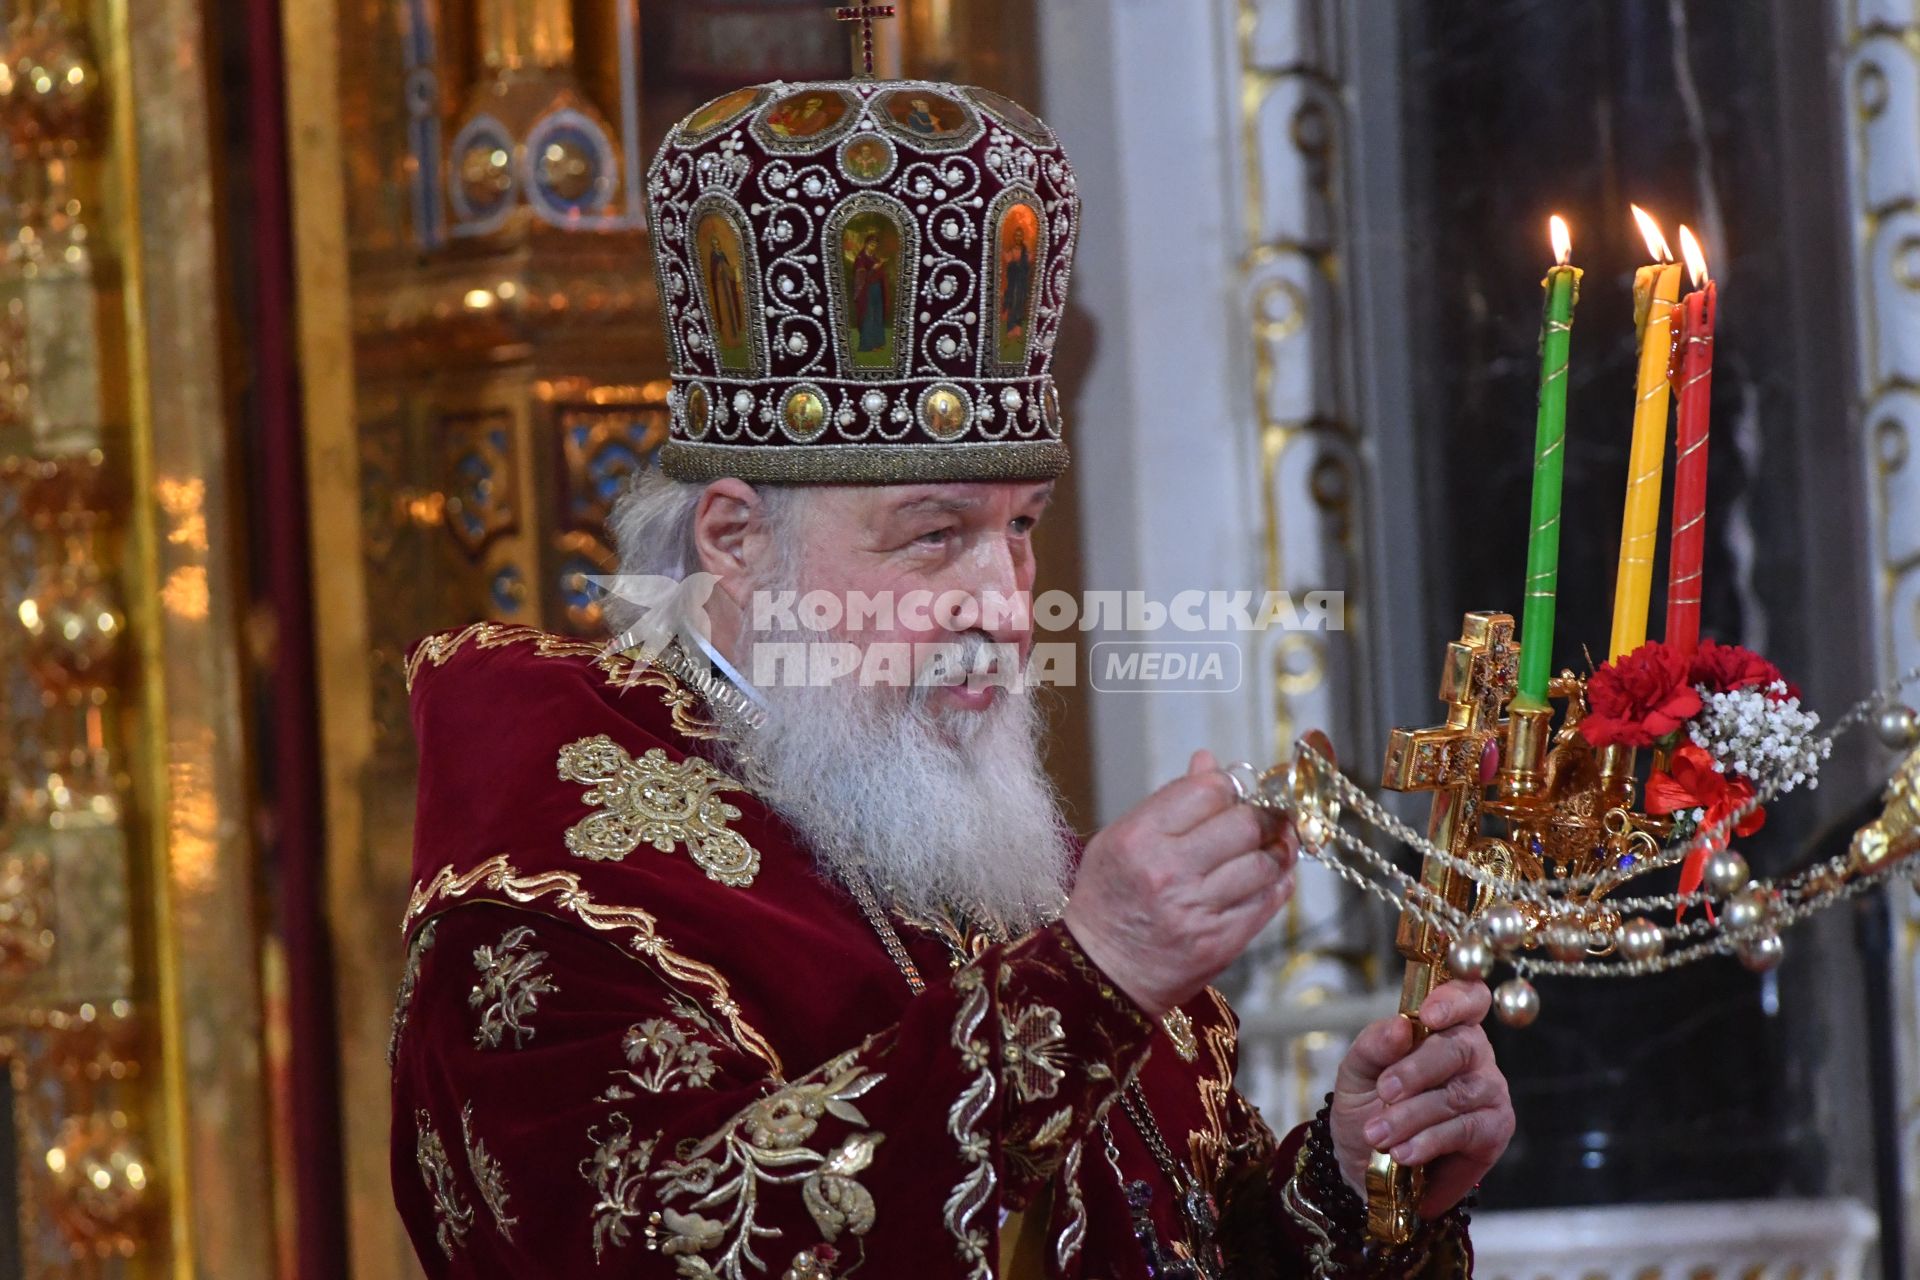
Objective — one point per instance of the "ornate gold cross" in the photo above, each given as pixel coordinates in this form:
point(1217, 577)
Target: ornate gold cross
point(1456, 761)
point(864, 14)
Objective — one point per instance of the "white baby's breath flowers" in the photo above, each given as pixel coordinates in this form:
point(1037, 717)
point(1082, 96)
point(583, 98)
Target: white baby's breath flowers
point(1761, 734)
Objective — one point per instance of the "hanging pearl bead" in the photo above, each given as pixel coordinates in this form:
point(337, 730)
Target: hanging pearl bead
point(1470, 958)
point(1641, 939)
point(1763, 953)
point(1516, 1002)
point(1567, 941)
point(1505, 926)
point(1747, 910)
point(1898, 726)
point(1727, 873)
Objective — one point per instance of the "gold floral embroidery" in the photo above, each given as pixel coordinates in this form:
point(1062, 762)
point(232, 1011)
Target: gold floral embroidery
point(509, 989)
point(767, 1147)
point(664, 1054)
point(487, 1175)
point(1179, 1029)
point(638, 929)
point(617, 1169)
point(622, 669)
point(655, 801)
point(975, 1191)
point(1030, 1049)
point(409, 979)
point(452, 1215)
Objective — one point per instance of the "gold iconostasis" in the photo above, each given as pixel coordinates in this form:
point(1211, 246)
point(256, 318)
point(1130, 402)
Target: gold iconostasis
point(320, 329)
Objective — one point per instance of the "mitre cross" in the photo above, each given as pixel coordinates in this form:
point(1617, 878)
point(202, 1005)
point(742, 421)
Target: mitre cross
point(864, 14)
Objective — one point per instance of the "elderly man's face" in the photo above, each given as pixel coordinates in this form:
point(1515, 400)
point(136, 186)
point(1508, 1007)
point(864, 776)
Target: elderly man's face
point(963, 545)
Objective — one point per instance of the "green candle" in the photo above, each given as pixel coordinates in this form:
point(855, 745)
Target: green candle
point(1562, 287)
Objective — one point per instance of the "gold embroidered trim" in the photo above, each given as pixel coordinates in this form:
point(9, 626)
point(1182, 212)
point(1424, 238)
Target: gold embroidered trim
point(1207, 1148)
point(509, 989)
point(1074, 1234)
point(1313, 1218)
point(865, 463)
point(655, 801)
point(623, 670)
point(452, 1215)
point(635, 927)
point(975, 1191)
point(487, 1175)
point(409, 980)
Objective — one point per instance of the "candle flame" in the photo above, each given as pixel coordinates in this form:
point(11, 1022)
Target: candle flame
point(1656, 239)
point(1562, 239)
point(1696, 259)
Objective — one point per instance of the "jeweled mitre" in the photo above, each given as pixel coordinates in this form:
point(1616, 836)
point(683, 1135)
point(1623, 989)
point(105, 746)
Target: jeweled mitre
point(863, 280)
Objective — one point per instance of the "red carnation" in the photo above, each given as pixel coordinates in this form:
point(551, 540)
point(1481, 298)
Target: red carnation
point(1691, 782)
point(1723, 668)
point(1640, 698)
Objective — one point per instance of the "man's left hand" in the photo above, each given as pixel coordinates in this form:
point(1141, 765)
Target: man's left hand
point(1443, 1105)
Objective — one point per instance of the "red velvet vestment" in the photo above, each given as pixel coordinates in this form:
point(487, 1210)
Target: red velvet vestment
point(638, 1035)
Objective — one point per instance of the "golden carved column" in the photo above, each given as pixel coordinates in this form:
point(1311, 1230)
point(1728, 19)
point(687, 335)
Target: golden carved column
point(194, 765)
point(129, 1002)
point(84, 1199)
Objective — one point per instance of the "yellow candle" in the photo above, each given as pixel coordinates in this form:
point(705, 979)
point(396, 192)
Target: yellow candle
point(1655, 288)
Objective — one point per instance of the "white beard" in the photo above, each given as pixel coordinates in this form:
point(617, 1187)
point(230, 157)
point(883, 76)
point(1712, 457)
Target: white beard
point(950, 811)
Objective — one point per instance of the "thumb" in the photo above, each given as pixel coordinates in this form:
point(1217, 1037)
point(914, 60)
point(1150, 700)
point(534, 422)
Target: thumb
point(1202, 762)
point(1374, 1050)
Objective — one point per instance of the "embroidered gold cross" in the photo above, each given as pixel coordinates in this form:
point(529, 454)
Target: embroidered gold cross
point(864, 14)
point(656, 801)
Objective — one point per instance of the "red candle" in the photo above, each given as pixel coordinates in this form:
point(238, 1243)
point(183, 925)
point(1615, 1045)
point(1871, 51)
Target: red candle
point(1692, 373)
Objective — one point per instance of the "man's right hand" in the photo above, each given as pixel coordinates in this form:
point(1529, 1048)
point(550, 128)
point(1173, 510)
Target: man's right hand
point(1171, 893)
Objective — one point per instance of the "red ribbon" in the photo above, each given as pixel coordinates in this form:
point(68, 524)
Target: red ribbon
point(1691, 782)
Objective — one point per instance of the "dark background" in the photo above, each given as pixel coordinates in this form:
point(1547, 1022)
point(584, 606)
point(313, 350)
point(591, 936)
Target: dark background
point(1709, 1083)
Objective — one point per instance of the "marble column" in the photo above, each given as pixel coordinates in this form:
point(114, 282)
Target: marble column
point(1228, 432)
point(1878, 113)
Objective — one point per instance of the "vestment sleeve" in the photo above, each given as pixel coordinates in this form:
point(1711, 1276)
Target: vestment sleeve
point(1287, 1212)
point(560, 1106)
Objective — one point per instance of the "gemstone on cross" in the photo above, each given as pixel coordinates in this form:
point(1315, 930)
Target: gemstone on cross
point(864, 14)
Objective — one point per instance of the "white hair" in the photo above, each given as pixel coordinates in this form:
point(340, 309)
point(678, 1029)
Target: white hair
point(652, 529)
point(652, 524)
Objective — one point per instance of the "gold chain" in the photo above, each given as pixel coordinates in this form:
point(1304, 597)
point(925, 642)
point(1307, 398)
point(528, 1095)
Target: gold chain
point(870, 907)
